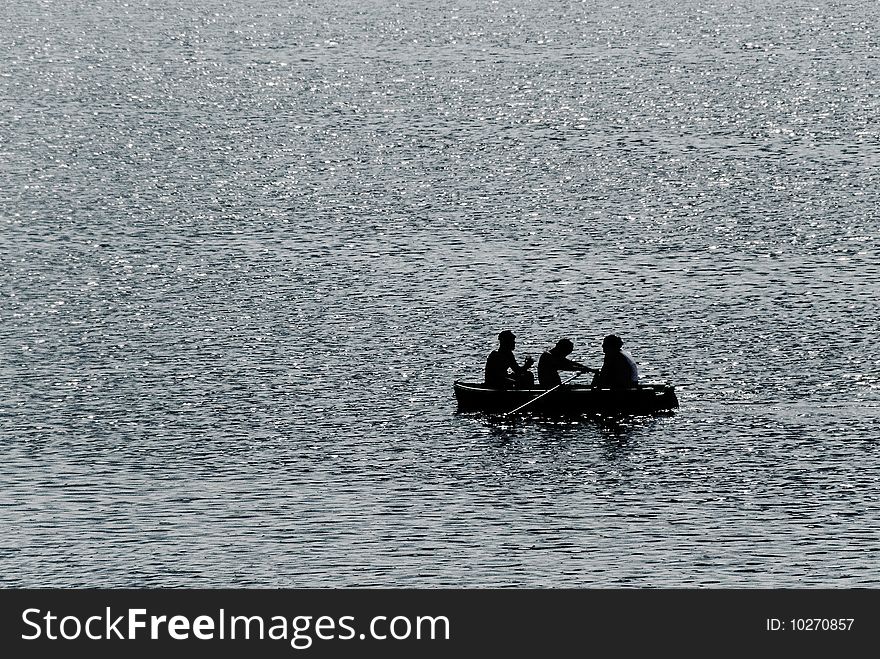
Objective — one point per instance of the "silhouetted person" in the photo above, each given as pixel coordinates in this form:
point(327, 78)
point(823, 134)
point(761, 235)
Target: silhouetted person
point(618, 370)
point(556, 359)
point(502, 369)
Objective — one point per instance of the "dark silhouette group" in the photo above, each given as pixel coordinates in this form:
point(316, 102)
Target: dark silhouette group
point(618, 370)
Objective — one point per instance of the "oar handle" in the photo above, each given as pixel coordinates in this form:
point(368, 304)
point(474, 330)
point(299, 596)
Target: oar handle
point(552, 389)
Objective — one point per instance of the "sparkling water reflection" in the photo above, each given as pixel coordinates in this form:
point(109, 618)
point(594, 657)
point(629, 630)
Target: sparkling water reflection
point(247, 247)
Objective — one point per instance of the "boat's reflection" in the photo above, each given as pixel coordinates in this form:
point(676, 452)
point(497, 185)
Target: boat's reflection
point(617, 434)
point(618, 426)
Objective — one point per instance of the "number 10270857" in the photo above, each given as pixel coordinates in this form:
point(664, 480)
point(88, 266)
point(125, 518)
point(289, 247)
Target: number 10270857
point(810, 624)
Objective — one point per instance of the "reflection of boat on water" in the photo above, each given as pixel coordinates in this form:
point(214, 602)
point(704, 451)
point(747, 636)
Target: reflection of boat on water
point(567, 400)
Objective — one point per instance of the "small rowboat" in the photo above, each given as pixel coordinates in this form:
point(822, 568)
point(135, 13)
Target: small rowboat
point(567, 400)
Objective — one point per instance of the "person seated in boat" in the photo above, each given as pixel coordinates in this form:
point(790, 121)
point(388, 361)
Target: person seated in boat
point(556, 359)
point(618, 371)
point(502, 369)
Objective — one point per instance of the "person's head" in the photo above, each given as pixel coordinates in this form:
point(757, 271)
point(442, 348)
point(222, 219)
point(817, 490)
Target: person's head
point(612, 343)
point(563, 347)
point(506, 339)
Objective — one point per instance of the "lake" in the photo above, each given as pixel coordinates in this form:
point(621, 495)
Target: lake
point(247, 247)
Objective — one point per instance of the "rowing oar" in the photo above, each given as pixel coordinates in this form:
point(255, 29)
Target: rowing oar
point(549, 391)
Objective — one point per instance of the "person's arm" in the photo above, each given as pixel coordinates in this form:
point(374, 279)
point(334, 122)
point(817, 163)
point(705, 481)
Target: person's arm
point(601, 377)
point(569, 365)
point(513, 365)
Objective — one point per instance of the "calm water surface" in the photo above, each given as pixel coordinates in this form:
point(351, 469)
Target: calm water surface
point(246, 247)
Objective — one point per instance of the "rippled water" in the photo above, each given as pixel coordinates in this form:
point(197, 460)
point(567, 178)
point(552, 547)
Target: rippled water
point(246, 247)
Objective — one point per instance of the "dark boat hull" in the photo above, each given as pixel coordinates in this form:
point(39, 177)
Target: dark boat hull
point(567, 400)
